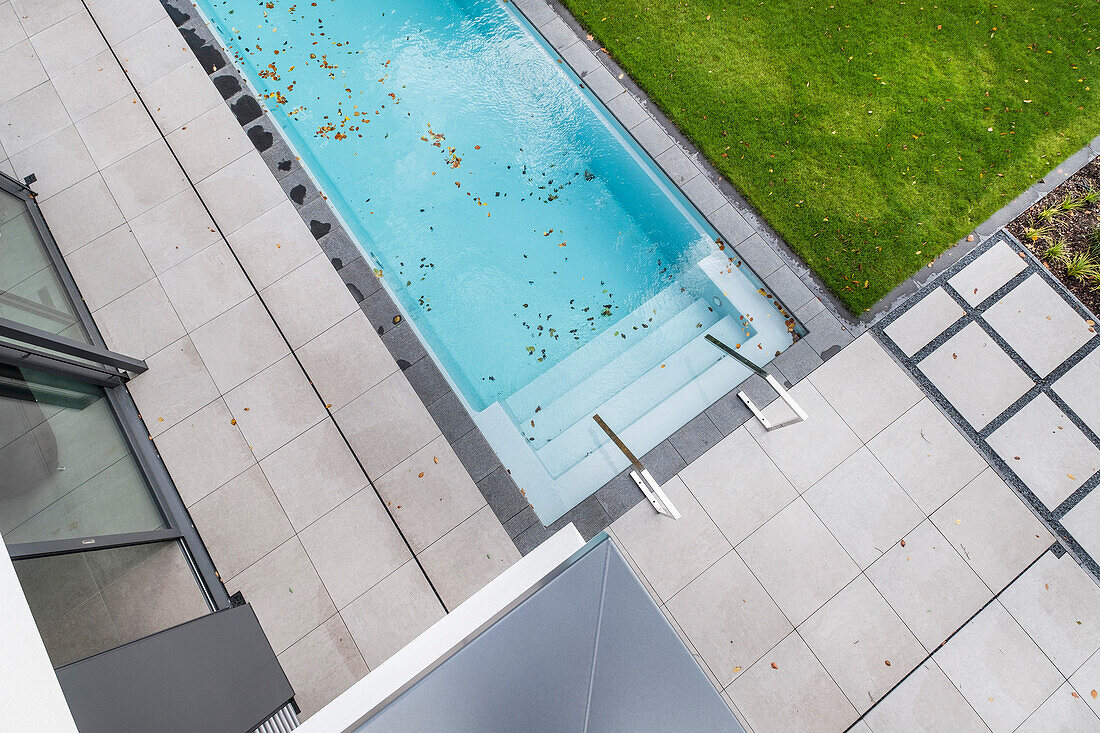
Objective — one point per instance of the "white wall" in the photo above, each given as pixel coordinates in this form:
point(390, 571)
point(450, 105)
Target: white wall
point(30, 695)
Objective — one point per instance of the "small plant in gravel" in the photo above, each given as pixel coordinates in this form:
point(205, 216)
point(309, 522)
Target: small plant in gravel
point(1072, 203)
point(1082, 266)
point(1056, 252)
point(1049, 214)
point(1035, 233)
point(1092, 241)
point(1091, 194)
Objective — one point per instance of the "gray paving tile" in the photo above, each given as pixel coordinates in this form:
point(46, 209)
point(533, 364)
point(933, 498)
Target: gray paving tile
point(502, 494)
point(1083, 522)
point(354, 547)
point(729, 618)
point(1058, 604)
point(1035, 321)
point(663, 461)
point(670, 553)
point(180, 96)
point(603, 84)
point(924, 321)
point(531, 537)
point(206, 285)
point(11, 30)
point(275, 406)
point(702, 192)
point(1065, 710)
point(204, 451)
point(557, 33)
point(789, 288)
point(695, 438)
point(728, 413)
point(322, 665)
point(241, 191)
point(386, 424)
point(100, 130)
point(1086, 679)
point(927, 702)
point(81, 213)
point(426, 380)
point(139, 323)
point(737, 232)
point(403, 344)
point(359, 276)
point(679, 167)
point(805, 451)
point(239, 344)
point(429, 494)
point(461, 562)
point(346, 360)
point(796, 559)
point(524, 520)
point(990, 527)
point(209, 142)
point(172, 231)
point(24, 68)
point(286, 593)
point(862, 643)
point(880, 394)
point(763, 693)
point(152, 52)
point(536, 11)
point(308, 301)
point(985, 275)
point(827, 335)
point(68, 43)
point(1080, 388)
point(998, 669)
point(975, 375)
point(241, 522)
point(737, 485)
point(928, 585)
point(298, 186)
point(1046, 450)
point(120, 19)
point(57, 162)
point(476, 454)
point(109, 267)
point(619, 495)
point(589, 518)
point(338, 245)
point(797, 361)
point(451, 416)
point(625, 107)
point(924, 452)
point(273, 244)
point(31, 117)
point(381, 311)
point(392, 613)
point(652, 137)
point(864, 507)
point(176, 385)
point(313, 473)
point(144, 179)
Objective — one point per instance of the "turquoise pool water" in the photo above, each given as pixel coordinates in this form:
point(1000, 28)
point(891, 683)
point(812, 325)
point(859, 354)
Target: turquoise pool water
point(545, 261)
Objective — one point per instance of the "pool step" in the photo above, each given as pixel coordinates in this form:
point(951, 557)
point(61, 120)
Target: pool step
point(604, 383)
point(590, 358)
point(644, 400)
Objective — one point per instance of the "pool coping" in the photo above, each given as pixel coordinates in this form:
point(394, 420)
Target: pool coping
point(788, 280)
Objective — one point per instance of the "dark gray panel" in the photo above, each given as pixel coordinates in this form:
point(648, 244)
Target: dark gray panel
point(216, 673)
point(645, 678)
point(594, 629)
point(527, 672)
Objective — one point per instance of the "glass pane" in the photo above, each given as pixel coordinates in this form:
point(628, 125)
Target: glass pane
point(31, 292)
point(67, 468)
point(89, 602)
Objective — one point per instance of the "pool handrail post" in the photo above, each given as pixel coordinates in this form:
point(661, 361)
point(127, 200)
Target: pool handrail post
point(641, 475)
point(799, 414)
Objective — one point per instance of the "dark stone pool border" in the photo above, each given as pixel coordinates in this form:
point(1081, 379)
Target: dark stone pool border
point(730, 215)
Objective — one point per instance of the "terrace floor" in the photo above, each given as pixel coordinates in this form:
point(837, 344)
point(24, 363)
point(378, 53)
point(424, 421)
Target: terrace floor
point(330, 494)
point(818, 566)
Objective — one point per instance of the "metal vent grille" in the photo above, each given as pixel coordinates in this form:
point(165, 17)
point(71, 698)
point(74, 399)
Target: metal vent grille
point(283, 721)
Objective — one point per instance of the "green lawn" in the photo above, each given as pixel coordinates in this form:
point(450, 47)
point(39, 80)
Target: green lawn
point(861, 130)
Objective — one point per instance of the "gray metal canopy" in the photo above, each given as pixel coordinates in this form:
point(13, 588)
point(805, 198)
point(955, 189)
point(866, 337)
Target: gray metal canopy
point(589, 651)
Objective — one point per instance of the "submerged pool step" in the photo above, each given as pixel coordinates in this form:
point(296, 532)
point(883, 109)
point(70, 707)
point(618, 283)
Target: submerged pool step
point(582, 363)
point(588, 396)
point(646, 399)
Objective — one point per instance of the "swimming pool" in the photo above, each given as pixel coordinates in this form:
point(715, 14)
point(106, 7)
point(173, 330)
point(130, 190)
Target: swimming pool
point(547, 264)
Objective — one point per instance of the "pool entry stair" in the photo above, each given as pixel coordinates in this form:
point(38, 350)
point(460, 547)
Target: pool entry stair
point(649, 374)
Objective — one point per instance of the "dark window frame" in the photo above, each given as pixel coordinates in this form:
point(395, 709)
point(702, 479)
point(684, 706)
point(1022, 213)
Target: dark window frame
point(109, 371)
